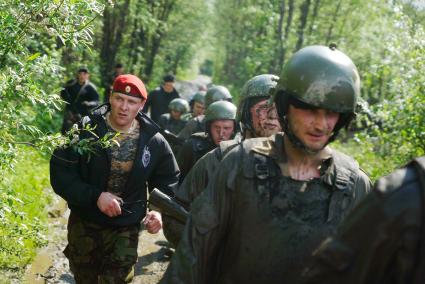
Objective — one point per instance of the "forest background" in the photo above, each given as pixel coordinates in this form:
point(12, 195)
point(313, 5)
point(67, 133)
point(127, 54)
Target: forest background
point(42, 43)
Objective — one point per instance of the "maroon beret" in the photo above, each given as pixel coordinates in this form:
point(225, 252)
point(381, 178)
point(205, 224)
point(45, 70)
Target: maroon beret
point(129, 85)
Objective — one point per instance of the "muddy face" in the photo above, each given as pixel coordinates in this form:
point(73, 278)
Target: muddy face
point(265, 119)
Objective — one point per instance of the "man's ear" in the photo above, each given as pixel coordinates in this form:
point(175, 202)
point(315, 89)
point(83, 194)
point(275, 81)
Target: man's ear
point(143, 104)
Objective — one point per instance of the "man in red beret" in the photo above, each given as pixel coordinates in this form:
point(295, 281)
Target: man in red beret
point(106, 188)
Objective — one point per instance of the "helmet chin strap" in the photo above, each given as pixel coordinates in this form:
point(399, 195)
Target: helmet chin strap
point(297, 143)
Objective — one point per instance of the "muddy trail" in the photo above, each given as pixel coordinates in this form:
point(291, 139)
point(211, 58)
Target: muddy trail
point(51, 266)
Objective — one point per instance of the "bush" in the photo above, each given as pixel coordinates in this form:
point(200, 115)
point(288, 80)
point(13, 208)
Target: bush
point(23, 201)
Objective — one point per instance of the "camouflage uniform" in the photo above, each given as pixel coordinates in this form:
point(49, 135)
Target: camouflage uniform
point(92, 247)
point(382, 240)
point(255, 225)
point(103, 249)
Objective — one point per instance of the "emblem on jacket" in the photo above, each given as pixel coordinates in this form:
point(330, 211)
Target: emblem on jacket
point(146, 158)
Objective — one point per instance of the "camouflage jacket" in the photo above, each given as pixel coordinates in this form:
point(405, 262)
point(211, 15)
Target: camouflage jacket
point(382, 240)
point(254, 225)
point(80, 178)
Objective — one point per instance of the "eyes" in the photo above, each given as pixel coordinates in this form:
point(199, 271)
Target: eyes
point(130, 101)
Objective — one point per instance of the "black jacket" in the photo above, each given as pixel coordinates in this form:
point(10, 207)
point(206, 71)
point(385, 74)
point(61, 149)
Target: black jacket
point(158, 101)
point(80, 179)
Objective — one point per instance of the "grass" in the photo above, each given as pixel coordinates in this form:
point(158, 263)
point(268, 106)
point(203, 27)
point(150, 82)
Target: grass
point(23, 213)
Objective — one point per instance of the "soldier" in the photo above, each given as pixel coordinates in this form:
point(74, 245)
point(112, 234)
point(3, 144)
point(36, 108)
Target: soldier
point(197, 106)
point(106, 187)
point(382, 240)
point(81, 96)
point(214, 94)
point(173, 121)
point(159, 98)
point(258, 118)
point(274, 199)
point(220, 125)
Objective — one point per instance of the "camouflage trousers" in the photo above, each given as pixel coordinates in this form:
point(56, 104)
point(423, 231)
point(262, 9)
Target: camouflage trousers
point(99, 254)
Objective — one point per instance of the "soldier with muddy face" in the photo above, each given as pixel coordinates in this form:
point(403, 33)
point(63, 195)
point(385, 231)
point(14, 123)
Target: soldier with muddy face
point(273, 200)
point(258, 118)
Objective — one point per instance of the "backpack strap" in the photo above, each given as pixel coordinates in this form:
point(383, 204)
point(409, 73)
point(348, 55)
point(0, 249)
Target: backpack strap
point(345, 173)
point(265, 171)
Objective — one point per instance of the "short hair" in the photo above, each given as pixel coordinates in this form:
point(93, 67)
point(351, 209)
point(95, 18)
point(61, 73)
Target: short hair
point(119, 65)
point(168, 78)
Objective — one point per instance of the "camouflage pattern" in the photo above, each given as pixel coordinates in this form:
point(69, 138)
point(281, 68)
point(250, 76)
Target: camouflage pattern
point(122, 158)
point(382, 239)
point(99, 254)
point(323, 77)
point(281, 219)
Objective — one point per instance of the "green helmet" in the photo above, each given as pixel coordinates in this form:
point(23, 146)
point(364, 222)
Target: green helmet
point(257, 88)
point(199, 97)
point(217, 93)
point(220, 110)
point(321, 77)
point(178, 104)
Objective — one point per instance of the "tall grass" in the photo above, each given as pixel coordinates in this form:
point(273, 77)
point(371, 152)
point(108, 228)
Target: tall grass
point(23, 216)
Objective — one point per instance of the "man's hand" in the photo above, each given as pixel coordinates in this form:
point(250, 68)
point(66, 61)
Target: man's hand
point(153, 222)
point(109, 204)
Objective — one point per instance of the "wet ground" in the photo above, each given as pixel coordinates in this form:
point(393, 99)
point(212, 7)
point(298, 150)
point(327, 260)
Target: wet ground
point(51, 266)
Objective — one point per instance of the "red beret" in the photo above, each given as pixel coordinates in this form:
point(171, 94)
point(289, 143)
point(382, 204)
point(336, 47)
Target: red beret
point(130, 85)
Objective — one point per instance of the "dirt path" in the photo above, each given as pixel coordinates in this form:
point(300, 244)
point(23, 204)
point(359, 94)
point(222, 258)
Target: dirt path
point(51, 266)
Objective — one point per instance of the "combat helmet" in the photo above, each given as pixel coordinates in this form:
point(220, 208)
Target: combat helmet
point(218, 111)
point(179, 105)
point(217, 93)
point(199, 97)
point(256, 89)
point(319, 77)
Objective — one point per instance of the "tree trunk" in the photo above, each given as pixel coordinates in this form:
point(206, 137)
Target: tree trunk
point(303, 22)
point(114, 25)
point(333, 21)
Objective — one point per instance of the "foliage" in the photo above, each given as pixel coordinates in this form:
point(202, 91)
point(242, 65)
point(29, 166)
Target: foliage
point(386, 45)
point(26, 32)
point(32, 34)
point(22, 210)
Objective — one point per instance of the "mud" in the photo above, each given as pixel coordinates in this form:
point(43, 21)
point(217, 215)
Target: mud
point(51, 266)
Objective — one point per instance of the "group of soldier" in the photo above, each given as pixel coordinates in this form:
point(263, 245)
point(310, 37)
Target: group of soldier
point(264, 197)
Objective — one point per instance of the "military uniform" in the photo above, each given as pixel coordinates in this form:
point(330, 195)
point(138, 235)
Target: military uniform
point(166, 122)
point(99, 245)
point(197, 124)
point(256, 89)
point(80, 100)
point(193, 184)
point(192, 150)
point(255, 225)
point(194, 125)
point(158, 101)
point(382, 240)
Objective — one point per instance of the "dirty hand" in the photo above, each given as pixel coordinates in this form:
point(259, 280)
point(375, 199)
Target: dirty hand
point(109, 204)
point(153, 222)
